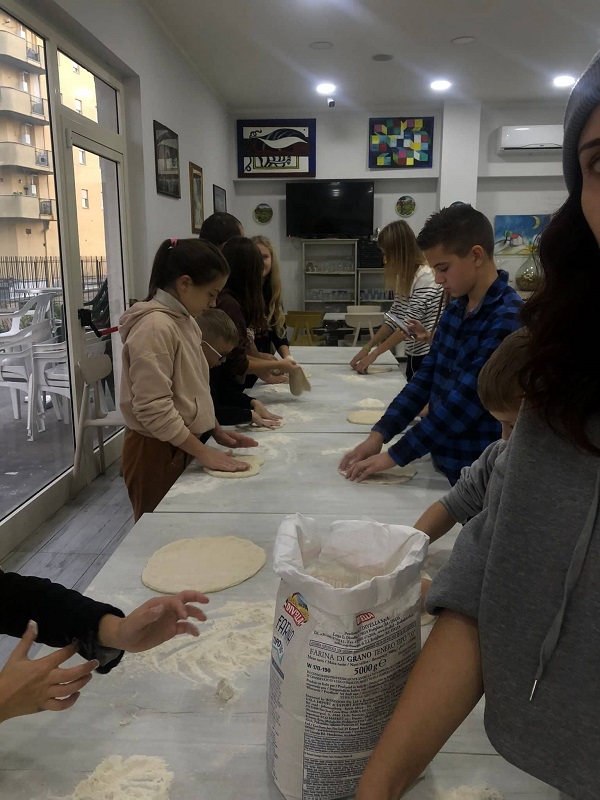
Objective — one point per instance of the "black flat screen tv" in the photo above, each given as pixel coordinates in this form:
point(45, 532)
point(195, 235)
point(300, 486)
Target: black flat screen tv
point(329, 209)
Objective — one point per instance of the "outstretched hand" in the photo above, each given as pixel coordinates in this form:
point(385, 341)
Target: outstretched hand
point(233, 439)
point(27, 686)
point(156, 621)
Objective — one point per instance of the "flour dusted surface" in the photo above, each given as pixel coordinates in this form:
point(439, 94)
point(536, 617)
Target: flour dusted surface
point(133, 778)
point(469, 793)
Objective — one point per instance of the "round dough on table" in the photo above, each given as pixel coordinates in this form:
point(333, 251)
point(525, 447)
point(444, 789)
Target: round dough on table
point(365, 416)
point(374, 370)
point(255, 462)
point(209, 564)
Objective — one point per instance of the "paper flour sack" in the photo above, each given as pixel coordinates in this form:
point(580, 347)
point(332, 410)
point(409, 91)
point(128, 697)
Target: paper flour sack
point(345, 636)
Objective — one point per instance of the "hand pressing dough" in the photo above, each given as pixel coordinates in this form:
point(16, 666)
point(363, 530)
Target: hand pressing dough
point(390, 477)
point(254, 461)
point(209, 564)
point(374, 370)
point(298, 382)
point(256, 427)
point(365, 416)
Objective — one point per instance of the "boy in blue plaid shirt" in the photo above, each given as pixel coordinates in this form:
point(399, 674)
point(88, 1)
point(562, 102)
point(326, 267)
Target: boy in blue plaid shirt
point(458, 243)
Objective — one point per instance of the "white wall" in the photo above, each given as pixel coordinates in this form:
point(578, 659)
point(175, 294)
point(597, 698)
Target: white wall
point(160, 84)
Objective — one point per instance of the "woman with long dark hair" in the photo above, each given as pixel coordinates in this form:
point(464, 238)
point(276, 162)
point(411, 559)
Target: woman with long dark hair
point(519, 600)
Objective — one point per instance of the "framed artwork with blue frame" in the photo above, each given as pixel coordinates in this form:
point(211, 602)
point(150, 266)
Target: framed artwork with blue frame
point(276, 148)
point(400, 142)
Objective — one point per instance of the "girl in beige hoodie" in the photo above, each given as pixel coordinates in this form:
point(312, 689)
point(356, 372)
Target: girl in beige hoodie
point(165, 391)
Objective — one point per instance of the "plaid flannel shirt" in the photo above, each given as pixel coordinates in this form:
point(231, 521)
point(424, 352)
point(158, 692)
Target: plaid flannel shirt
point(457, 428)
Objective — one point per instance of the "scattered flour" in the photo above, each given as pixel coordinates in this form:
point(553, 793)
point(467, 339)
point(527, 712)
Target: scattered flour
point(225, 690)
point(469, 793)
point(291, 414)
point(355, 378)
point(238, 636)
point(371, 402)
point(133, 778)
point(334, 452)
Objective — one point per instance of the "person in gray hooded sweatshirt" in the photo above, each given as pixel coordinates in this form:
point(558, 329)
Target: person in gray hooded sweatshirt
point(519, 599)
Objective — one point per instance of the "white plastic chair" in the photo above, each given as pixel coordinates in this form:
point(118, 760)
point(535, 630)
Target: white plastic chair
point(363, 320)
point(49, 374)
point(38, 307)
point(15, 362)
point(93, 371)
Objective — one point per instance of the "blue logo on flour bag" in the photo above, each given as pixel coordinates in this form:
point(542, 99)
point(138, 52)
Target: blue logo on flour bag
point(296, 607)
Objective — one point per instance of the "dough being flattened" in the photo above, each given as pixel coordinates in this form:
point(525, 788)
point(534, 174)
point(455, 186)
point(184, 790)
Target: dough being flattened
point(299, 382)
point(365, 416)
point(255, 462)
point(375, 370)
point(390, 477)
point(209, 564)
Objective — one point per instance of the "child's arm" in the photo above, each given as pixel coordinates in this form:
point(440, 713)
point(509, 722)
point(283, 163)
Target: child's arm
point(392, 340)
point(381, 335)
point(444, 686)
point(435, 521)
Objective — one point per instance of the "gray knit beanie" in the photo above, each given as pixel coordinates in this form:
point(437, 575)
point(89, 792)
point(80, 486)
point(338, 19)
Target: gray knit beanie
point(584, 98)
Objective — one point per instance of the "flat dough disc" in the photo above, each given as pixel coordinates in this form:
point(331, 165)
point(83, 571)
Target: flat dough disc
point(374, 370)
point(254, 461)
point(256, 428)
point(365, 416)
point(390, 477)
point(298, 382)
point(209, 564)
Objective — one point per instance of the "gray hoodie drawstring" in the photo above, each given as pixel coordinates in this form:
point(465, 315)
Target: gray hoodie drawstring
point(573, 573)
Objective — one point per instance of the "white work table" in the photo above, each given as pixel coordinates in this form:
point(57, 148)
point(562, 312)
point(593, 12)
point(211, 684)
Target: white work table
point(335, 355)
point(336, 390)
point(217, 750)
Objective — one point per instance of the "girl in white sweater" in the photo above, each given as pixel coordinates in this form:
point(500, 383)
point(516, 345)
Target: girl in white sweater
point(416, 297)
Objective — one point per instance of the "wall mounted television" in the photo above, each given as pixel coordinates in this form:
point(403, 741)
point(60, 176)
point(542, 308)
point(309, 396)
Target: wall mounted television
point(329, 209)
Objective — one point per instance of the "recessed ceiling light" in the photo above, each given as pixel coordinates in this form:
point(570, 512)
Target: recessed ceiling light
point(459, 40)
point(382, 57)
point(326, 88)
point(564, 80)
point(321, 45)
point(440, 85)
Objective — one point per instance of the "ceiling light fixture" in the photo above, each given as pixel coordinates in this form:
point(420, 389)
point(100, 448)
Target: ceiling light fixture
point(461, 40)
point(321, 45)
point(326, 88)
point(563, 80)
point(440, 85)
point(382, 57)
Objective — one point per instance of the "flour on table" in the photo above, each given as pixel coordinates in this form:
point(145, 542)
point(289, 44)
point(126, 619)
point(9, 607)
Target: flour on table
point(371, 402)
point(235, 637)
point(364, 417)
point(389, 478)
point(254, 465)
point(132, 778)
point(355, 378)
point(260, 428)
point(469, 793)
point(208, 564)
point(334, 452)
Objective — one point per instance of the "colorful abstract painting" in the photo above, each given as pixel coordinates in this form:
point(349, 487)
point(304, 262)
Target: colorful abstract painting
point(516, 234)
point(400, 142)
point(276, 148)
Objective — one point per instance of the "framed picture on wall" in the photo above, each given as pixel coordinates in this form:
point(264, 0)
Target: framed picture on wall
point(166, 160)
point(219, 199)
point(276, 148)
point(196, 197)
point(400, 142)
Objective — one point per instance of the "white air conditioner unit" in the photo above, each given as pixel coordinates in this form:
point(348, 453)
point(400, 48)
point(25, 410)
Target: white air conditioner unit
point(529, 138)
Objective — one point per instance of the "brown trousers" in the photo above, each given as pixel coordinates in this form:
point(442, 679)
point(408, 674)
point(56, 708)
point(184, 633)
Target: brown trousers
point(150, 468)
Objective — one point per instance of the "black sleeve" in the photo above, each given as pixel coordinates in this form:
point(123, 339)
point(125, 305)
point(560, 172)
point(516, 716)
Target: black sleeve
point(62, 616)
point(278, 341)
point(232, 405)
point(236, 363)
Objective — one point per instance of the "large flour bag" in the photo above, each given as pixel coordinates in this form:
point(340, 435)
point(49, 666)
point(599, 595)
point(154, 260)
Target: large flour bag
point(345, 636)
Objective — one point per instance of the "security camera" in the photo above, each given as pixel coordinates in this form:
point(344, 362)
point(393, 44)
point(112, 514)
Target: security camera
point(330, 102)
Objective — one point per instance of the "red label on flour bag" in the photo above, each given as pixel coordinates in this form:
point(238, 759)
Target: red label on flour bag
point(345, 636)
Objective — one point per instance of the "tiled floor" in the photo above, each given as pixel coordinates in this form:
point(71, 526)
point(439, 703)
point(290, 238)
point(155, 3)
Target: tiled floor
point(74, 544)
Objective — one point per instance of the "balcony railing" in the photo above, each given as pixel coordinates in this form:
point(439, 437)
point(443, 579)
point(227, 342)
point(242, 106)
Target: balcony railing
point(16, 49)
point(24, 105)
point(25, 156)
